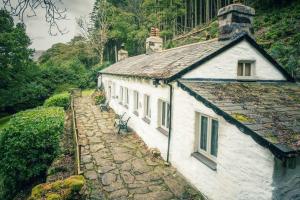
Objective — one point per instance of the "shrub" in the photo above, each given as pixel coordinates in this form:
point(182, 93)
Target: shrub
point(99, 98)
point(62, 189)
point(28, 145)
point(59, 100)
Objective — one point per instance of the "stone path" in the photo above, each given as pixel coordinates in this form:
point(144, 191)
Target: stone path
point(121, 167)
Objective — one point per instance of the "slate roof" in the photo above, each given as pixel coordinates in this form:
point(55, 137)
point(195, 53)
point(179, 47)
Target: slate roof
point(269, 112)
point(171, 64)
point(162, 65)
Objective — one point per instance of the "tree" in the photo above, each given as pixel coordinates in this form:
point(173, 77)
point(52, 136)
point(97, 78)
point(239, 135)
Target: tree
point(18, 89)
point(53, 13)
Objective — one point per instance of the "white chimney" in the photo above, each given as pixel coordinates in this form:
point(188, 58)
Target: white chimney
point(154, 43)
point(122, 53)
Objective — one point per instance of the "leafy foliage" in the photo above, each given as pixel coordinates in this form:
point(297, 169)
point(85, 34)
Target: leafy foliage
point(58, 100)
point(19, 88)
point(277, 30)
point(28, 145)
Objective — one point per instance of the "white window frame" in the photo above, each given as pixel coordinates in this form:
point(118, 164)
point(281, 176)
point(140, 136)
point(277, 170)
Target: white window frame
point(136, 101)
point(114, 90)
point(164, 123)
point(126, 97)
point(121, 97)
point(198, 148)
point(147, 106)
point(252, 68)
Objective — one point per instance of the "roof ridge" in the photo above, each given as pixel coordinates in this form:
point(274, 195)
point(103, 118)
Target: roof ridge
point(187, 45)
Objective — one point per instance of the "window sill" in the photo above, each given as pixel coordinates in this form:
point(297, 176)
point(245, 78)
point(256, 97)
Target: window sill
point(208, 162)
point(148, 121)
point(136, 113)
point(163, 131)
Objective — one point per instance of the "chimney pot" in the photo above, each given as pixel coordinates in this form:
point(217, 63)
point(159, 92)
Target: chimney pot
point(234, 20)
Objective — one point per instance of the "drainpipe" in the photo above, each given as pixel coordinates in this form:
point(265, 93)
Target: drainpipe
point(170, 122)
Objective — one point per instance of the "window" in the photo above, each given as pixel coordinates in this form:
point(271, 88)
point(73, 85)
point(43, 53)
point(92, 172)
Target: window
point(121, 95)
point(126, 97)
point(207, 131)
point(147, 107)
point(135, 101)
point(164, 118)
point(245, 68)
point(114, 90)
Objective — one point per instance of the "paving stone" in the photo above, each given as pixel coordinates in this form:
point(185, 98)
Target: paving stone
point(142, 190)
point(108, 178)
point(140, 166)
point(126, 166)
point(118, 194)
point(150, 176)
point(127, 177)
point(114, 186)
point(121, 157)
point(105, 169)
point(175, 185)
point(161, 195)
point(86, 158)
point(91, 175)
point(96, 147)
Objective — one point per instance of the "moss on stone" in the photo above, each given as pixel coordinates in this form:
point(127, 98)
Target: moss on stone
point(272, 138)
point(59, 190)
point(242, 117)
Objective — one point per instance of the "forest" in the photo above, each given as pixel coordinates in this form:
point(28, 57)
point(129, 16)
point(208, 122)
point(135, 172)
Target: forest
point(28, 84)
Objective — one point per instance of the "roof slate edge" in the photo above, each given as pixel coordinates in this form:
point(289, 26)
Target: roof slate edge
point(279, 150)
point(228, 46)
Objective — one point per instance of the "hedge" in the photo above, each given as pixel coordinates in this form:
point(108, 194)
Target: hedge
point(59, 100)
point(28, 145)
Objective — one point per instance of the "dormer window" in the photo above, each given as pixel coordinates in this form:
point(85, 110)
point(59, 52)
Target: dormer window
point(245, 69)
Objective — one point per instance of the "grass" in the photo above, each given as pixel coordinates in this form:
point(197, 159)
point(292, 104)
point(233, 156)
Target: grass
point(88, 92)
point(4, 121)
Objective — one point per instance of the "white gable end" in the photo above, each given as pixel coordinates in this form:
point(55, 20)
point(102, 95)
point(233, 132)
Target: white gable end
point(224, 65)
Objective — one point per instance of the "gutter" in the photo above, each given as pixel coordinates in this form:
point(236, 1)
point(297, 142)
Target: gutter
point(170, 122)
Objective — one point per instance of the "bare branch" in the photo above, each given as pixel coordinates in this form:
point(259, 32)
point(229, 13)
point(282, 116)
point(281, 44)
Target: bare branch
point(27, 8)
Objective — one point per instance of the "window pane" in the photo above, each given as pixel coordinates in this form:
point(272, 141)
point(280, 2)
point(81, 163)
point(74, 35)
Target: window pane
point(203, 136)
point(163, 112)
point(240, 69)
point(168, 115)
point(214, 137)
point(247, 69)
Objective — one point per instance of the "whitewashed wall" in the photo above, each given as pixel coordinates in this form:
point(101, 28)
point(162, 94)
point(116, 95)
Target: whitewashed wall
point(148, 132)
point(224, 66)
point(244, 168)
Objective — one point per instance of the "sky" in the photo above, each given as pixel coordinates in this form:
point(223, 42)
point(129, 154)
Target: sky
point(37, 28)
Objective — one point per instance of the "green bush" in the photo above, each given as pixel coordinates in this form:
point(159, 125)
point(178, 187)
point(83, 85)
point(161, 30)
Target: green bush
point(28, 145)
point(58, 100)
point(99, 98)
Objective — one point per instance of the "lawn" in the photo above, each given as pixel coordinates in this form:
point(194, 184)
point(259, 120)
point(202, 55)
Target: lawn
point(88, 92)
point(4, 120)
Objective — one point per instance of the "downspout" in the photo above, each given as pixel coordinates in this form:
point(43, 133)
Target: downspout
point(170, 122)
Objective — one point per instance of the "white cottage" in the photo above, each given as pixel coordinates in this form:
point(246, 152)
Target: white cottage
point(223, 111)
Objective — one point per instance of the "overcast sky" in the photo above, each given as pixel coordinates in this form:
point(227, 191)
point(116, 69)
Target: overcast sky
point(37, 28)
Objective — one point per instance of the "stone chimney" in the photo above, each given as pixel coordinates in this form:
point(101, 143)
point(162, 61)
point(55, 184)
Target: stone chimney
point(154, 43)
point(234, 20)
point(122, 53)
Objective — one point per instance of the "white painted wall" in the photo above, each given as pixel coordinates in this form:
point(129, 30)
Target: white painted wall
point(224, 66)
point(148, 132)
point(244, 168)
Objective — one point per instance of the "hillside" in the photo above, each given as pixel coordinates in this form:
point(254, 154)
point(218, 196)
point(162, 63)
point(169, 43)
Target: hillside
point(276, 29)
